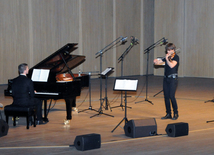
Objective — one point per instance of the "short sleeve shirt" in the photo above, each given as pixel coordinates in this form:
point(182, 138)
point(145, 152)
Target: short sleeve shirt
point(167, 70)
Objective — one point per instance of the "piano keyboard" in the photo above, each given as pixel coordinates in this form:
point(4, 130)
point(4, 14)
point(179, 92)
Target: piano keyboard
point(46, 93)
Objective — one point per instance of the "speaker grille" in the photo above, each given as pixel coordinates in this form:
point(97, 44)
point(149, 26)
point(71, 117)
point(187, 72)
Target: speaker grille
point(87, 142)
point(177, 129)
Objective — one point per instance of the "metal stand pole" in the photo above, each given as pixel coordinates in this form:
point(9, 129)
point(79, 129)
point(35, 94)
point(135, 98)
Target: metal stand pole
point(147, 70)
point(125, 117)
point(100, 55)
point(206, 102)
point(90, 106)
point(100, 111)
point(160, 42)
point(106, 98)
point(121, 104)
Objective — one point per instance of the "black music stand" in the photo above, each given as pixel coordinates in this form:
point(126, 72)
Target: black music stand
point(125, 85)
point(105, 75)
point(90, 106)
point(146, 51)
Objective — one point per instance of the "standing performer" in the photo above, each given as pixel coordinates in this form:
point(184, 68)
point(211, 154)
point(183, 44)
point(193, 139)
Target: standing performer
point(170, 79)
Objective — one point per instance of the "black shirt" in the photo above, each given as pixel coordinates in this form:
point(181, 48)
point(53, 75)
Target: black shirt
point(167, 70)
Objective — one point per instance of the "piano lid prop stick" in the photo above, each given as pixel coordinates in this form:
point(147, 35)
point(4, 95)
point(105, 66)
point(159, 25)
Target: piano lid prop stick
point(69, 70)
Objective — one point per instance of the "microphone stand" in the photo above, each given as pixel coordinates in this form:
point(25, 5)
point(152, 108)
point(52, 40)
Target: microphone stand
point(146, 51)
point(121, 59)
point(100, 54)
point(90, 106)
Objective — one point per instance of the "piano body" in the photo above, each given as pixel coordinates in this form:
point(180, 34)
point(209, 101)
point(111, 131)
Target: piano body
point(62, 83)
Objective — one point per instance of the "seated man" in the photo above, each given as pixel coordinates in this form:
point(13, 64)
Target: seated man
point(23, 92)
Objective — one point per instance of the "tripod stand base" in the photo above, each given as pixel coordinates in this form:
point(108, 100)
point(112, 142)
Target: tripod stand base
point(124, 119)
point(206, 102)
point(157, 93)
point(100, 112)
point(210, 121)
point(89, 108)
point(107, 103)
point(145, 100)
point(121, 106)
point(209, 101)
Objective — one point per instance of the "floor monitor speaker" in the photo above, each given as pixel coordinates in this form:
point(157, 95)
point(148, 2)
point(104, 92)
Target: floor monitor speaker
point(87, 142)
point(3, 128)
point(140, 128)
point(177, 129)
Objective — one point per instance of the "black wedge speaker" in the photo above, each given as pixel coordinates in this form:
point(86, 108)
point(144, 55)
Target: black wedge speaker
point(3, 128)
point(177, 129)
point(87, 142)
point(140, 128)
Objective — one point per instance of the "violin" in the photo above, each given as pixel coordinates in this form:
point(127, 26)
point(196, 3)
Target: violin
point(178, 50)
point(171, 57)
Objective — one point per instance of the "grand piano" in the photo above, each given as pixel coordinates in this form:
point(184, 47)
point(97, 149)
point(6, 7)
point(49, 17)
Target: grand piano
point(61, 83)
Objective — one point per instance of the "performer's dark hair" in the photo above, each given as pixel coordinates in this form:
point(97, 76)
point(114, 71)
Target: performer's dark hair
point(170, 46)
point(22, 67)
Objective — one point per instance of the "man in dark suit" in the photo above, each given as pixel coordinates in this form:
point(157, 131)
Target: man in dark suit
point(23, 92)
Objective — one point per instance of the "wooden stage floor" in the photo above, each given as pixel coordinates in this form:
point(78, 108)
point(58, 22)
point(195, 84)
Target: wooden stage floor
point(55, 138)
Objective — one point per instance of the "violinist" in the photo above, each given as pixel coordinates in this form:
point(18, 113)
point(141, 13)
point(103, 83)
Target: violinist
point(170, 80)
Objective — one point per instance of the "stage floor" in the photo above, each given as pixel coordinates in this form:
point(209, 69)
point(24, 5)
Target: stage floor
point(55, 138)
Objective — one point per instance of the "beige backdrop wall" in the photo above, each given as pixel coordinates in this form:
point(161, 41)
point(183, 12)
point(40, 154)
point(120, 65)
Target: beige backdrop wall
point(189, 24)
point(31, 30)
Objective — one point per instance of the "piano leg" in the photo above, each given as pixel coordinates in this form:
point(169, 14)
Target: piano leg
point(70, 102)
point(45, 118)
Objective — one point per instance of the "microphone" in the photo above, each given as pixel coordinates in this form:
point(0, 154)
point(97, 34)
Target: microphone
point(123, 40)
point(164, 42)
point(134, 40)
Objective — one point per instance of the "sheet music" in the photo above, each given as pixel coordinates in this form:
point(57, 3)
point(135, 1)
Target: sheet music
point(40, 75)
point(106, 71)
point(124, 84)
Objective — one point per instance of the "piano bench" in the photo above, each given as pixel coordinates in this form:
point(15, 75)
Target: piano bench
point(16, 111)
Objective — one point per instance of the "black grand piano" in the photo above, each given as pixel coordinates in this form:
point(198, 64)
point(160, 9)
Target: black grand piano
point(61, 83)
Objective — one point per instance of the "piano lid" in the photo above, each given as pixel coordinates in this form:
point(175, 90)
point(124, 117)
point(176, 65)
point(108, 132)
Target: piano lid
point(55, 62)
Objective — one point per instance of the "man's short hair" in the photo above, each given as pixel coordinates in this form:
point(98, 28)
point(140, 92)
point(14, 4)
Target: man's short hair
point(22, 67)
point(170, 46)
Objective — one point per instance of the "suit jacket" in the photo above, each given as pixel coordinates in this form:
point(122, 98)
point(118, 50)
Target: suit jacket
point(22, 91)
